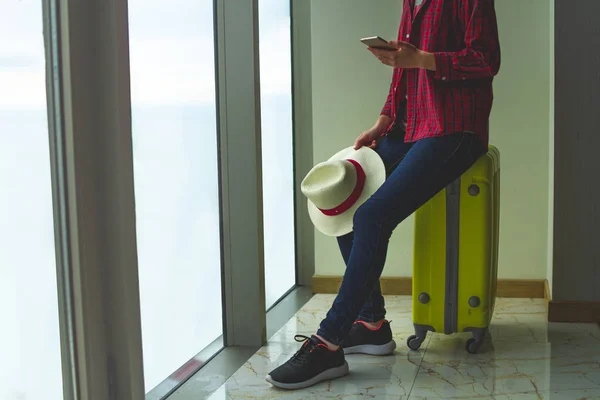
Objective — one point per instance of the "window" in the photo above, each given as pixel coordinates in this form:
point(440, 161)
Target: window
point(277, 148)
point(28, 292)
point(176, 184)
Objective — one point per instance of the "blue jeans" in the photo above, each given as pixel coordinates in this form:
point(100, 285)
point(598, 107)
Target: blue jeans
point(416, 172)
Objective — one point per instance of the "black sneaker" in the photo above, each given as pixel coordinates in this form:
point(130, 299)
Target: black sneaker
point(366, 340)
point(313, 363)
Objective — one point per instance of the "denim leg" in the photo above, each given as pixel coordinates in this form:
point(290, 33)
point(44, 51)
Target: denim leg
point(373, 309)
point(428, 167)
point(392, 150)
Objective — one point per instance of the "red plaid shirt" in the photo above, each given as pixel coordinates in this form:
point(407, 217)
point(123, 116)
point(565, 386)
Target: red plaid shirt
point(458, 96)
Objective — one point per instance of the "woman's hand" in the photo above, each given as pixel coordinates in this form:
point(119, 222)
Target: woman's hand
point(370, 137)
point(407, 56)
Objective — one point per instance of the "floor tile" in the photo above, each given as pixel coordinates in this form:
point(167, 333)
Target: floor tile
point(524, 357)
point(370, 377)
point(519, 306)
point(307, 320)
point(568, 395)
point(506, 367)
point(543, 395)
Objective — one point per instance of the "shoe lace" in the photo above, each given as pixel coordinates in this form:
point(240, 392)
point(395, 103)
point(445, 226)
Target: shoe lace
point(303, 355)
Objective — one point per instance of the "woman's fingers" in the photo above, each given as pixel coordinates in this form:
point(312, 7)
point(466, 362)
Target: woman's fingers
point(358, 143)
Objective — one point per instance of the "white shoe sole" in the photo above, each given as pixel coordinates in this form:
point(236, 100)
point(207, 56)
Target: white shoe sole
point(371, 349)
point(328, 375)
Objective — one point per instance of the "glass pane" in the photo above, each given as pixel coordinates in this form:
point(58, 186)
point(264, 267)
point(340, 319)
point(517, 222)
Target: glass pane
point(277, 145)
point(30, 340)
point(176, 183)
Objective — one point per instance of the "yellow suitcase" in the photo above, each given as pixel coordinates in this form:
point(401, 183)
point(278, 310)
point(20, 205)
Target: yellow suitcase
point(455, 268)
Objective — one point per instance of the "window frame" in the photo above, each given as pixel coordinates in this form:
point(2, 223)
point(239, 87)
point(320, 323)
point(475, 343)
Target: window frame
point(89, 118)
point(89, 112)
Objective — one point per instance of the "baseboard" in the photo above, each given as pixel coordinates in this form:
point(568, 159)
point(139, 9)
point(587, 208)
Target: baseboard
point(574, 311)
point(521, 288)
point(402, 286)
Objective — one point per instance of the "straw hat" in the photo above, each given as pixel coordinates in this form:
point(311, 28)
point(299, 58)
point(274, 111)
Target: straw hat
point(337, 187)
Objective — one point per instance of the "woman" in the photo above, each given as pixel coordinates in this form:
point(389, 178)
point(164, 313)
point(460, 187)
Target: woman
point(433, 127)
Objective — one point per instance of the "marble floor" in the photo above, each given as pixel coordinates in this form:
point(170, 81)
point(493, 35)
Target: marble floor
point(526, 358)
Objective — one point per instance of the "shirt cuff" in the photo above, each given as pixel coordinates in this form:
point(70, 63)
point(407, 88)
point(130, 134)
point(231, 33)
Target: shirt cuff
point(444, 66)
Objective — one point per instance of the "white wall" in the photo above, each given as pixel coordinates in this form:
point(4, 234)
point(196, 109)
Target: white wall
point(350, 87)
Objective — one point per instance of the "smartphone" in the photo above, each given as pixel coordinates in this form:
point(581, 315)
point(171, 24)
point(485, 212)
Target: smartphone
point(377, 43)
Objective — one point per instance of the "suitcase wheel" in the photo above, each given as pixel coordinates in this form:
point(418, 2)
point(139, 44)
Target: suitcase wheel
point(414, 343)
point(473, 345)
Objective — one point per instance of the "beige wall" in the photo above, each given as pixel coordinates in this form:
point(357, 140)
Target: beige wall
point(349, 89)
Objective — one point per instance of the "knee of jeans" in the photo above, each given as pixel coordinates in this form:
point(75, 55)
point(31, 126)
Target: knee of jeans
point(369, 217)
point(366, 217)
